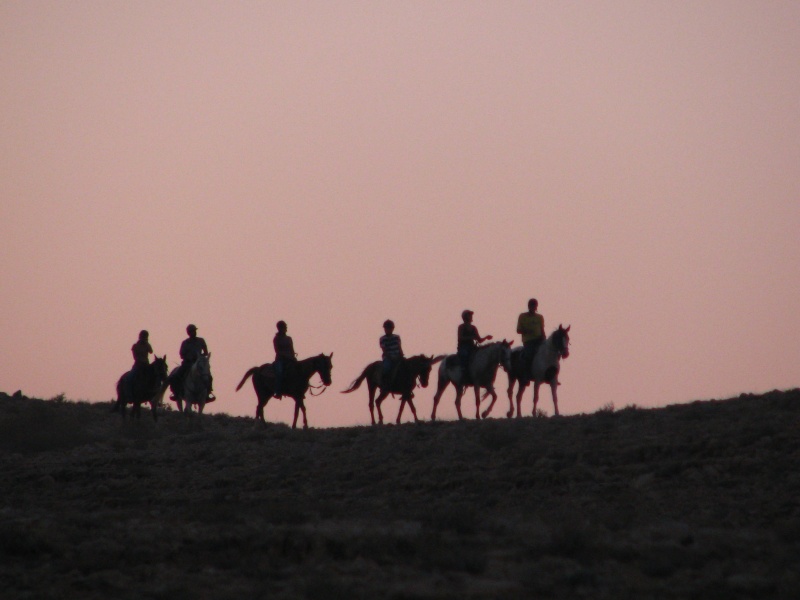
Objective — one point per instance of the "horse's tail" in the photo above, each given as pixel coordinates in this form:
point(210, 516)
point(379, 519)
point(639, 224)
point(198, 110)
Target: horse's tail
point(358, 381)
point(246, 375)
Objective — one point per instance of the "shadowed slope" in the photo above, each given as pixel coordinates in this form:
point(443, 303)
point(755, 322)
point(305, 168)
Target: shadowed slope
point(664, 503)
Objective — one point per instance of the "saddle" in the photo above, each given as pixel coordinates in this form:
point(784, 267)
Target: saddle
point(453, 362)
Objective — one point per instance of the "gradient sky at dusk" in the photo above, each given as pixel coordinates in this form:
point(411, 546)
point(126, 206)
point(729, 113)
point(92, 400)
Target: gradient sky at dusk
point(634, 165)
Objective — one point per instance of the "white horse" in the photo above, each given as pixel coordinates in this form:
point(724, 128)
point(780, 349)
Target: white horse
point(197, 384)
point(543, 368)
point(482, 370)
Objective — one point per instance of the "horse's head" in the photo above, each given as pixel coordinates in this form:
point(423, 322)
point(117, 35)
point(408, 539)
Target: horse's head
point(202, 366)
point(420, 366)
point(561, 341)
point(323, 364)
point(160, 368)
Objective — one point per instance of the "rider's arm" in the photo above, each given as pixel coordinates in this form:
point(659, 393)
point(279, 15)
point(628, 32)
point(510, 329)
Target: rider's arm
point(480, 339)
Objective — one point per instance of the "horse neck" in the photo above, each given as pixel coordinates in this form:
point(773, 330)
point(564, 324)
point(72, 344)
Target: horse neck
point(416, 364)
point(490, 357)
point(549, 349)
point(152, 371)
point(307, 367)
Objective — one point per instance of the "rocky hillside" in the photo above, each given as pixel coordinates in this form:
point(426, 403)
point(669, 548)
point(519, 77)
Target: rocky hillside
point(698, 500)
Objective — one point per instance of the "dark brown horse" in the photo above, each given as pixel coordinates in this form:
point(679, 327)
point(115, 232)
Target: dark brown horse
point(295, 385)
point(410, 371)
point(544, 367)
point(147, 385)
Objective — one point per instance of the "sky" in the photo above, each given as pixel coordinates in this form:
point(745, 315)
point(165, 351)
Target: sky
point(633, 165)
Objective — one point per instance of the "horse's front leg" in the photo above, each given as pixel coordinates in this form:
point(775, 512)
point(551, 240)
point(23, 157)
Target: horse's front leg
point(402, 406)
point(520, 392)
point(296, 413)
point(305, 419)
point(459, 393)
point(536, 385)
point(413, 409)
point(510, 393)
point(491, 404)
point(153, 406)
point(554, 391)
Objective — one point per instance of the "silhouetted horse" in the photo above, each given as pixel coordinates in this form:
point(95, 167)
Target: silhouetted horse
point(196, 385)
point(482, 372)
point(543, 368)
point(147, 386)
point(409, 371)
point(295, 383)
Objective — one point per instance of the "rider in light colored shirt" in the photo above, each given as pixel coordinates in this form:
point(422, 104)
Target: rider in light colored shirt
point(531, 327)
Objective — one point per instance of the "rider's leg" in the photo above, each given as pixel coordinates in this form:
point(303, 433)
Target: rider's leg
point(279, 369)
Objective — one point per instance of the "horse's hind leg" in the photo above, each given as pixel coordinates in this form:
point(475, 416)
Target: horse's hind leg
point(378, 401)
point(260, 410)
point(440, 387)
point(371, 390)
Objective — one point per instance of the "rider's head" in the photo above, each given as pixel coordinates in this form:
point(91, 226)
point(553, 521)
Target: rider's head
point(466, 316)
point(281, 325)
point(191, 330)
point(388, 325)
point(533, 304)
point(144, 334)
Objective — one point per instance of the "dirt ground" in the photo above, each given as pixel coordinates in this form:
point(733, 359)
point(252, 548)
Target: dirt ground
point(698, 500)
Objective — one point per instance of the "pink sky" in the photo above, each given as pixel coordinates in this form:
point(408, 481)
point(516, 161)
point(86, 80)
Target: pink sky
point(633, 165)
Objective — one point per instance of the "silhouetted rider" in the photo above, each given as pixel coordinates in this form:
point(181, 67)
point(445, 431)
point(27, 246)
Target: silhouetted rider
point(285, 357)
point(191, 348)
point(531, 326)
point(468, 340)
point(392, 353)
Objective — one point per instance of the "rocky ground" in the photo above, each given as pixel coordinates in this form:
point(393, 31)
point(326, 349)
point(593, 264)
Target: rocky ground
point(698, 500)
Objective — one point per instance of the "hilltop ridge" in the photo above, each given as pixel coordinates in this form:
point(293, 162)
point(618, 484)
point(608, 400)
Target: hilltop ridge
point(696, 499)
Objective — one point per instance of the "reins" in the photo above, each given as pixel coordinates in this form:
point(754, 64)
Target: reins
point(322, 387)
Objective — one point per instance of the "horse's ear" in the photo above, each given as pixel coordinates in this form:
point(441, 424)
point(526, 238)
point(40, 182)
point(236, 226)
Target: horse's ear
point(568, 326)
point(209, 355)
